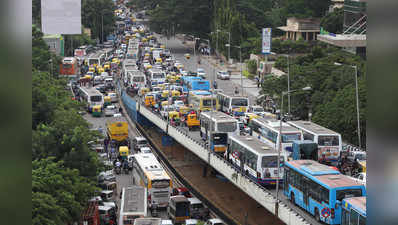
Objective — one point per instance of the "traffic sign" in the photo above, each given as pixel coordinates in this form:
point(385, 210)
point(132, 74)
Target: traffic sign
point(325, 212)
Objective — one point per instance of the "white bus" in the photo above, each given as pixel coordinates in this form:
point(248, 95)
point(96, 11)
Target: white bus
point(260, 161)
point(148, 172)
point(136, 78)
point(91, 97)
point(267, 130)
point(133, 205)
point(329, 142)
point(157, 75)
point(222, 126)
point(96, 59)
point(233, 105)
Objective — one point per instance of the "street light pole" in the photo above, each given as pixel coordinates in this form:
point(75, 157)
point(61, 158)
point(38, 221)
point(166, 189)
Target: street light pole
point(357, 101)
point(280, 144)
point(357, 96)
point(288, 83)
point(229, 46)
point(102, 27)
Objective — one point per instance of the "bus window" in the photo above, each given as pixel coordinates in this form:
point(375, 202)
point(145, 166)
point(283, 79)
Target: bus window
point(227, 127)
point(271, 161)
point(348, 193)
point(289, 138)
point(362, 220)
point(328, 140)
point(96, 98)
point(239, 102)
point(220, 138)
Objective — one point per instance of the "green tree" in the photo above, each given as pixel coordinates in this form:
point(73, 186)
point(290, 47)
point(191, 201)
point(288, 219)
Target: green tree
point(252, 66)
point(305, 8)
point(333, 22)
point(59, 194)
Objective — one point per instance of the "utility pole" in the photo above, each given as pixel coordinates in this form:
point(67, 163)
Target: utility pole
point(102, 27)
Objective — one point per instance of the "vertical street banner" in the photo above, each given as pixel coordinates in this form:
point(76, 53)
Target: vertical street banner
point(61, 16)
point(266, 44)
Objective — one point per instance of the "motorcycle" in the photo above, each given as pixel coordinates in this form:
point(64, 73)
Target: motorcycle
point(118, 170)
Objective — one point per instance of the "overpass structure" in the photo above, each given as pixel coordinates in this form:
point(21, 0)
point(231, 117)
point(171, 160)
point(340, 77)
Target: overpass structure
point(284, 210)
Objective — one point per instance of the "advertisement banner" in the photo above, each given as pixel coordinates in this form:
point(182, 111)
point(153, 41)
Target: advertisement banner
point(266, 45)
point(61, 16)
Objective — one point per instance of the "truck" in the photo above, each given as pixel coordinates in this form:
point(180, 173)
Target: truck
point(178, 209)
point(117, 129)
point(133, 205)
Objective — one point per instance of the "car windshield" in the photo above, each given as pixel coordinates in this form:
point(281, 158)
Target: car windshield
point(227, 126)
point(239, 102)
point(220, 139)
point(360, 156)
point(258, 109)
point(223, 72)
point(200, 70)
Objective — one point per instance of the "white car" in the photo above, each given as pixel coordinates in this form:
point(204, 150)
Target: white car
point(223, 75)
point(166, 109)
point(214, 222)
point(201, 73)
point(113, 96)
point(256, 109)
point(178, 104)
point(111, 110)
point(123, 46)
point(145, 150)
point(360, 178)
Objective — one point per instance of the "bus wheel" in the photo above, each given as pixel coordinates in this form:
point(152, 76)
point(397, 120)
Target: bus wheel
point(292, 199)
point(317, 217)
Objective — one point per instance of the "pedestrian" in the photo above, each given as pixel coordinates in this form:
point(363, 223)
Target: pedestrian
point(258, 82)
point(236, 90)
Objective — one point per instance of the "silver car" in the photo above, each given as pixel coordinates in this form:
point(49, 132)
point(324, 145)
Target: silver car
point(223, 75)
point(110, 110)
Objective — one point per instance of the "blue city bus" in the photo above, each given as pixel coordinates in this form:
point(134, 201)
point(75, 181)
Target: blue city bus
point(186, 80)
point(198, 85)
point(354, 211)
point(319, 189)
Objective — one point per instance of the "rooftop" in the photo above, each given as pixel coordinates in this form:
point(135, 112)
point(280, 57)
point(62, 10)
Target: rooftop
point(344, 40)
point(147, 221)
point(134, 199)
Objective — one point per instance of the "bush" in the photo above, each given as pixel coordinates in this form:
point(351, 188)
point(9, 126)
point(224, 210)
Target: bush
point(248, 75)
point(252, 66)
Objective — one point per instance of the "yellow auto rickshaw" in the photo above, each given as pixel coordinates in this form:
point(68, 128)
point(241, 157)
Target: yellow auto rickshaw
point(116, 60)
point(170, 78)
point(164, 103)
point(144, 40)
point(159, 60)
point(107, 101)
point(100, 69)
point(165, 93)
point(97, 111)
point(143, 91)
point(107, 66)
point(250, 116)
point(192, 121)
point(123, 152)
point(146, 55)
point(174, 118)
point(187, 56)
point(88, 77)
point(148, 66)
point(184, 110)
point(149, 100)
point(91, 69)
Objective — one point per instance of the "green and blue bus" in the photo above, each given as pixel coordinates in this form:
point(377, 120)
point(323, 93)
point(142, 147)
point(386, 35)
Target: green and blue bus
point(319, 189)
point(354, 211)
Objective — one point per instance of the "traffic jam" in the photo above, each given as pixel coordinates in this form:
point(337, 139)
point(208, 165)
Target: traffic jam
point(314, 169)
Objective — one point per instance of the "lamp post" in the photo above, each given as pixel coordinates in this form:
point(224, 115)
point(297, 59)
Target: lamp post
point(280, 142)
point(240, 61)
point(288, 79)
point(357, 99)
point(229, 42)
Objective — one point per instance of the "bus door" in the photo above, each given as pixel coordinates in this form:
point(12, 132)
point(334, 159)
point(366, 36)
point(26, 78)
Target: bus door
point(306, 187)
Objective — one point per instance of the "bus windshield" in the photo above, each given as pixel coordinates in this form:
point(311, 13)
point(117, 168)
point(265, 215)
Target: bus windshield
point(182, 209)
point(328, 140)
point(207, 102)
point(270, 161)
point(158, 75)
point(67, 65)
point(348, 193)
point(220, 139)
point(96, 98)
point(93, 61)
point(160, 183)
point(138, 79)
point(226, 126)
point(289, 138)
point(239, 102)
